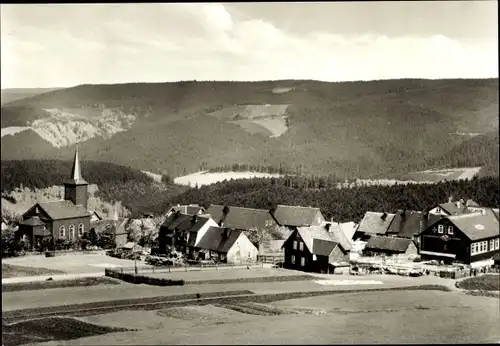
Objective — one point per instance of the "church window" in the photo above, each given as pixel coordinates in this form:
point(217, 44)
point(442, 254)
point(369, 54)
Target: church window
point(62, 232)
point(81, 229)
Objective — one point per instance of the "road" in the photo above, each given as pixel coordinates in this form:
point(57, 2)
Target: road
point(93, 294)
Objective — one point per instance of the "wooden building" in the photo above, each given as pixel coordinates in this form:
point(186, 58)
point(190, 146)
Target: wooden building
point(373, 223)
point(314, 249)
point(389, 246)
point(466, 238)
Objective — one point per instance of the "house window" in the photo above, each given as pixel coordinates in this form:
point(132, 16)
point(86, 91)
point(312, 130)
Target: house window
point(303, 261)
point(450, 230)
point(492, 244)
point(438, 210)
point(497, 243)
point(81, 229)
point(440, 229)
point(62, 232)
point(71, 229)
point(293, 259)
point(301, 246)
point(473, 249)
point(295, 245)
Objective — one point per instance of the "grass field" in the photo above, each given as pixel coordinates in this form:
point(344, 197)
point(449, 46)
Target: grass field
point(42, 285)
point(71, 263)
point(368, 317)
point(13, 271)
point(488, 282)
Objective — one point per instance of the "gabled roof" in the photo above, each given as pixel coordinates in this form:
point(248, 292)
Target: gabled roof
point(388, 243)
point(33, 221)
point(240, 218)
point(348, 228)
point(476, 226)
point(214, 239)
point(184, 222)
point(453, 209)
point(407, 223)
point(63, 210)
point(339, 236)
point(189, 209)
point(323, 247)
point(373, 223)
point(296, 216)
point(319, 241)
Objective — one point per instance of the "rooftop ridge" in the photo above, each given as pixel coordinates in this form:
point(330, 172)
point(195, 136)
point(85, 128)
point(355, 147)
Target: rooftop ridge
point(232, 207)
point(476, 213)
point(296, 206)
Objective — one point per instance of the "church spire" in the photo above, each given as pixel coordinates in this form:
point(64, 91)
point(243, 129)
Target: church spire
point(76, 174)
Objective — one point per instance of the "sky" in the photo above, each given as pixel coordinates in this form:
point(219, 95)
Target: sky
point(62, 45)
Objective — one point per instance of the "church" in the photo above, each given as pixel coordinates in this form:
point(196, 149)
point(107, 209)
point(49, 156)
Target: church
point(66, 219)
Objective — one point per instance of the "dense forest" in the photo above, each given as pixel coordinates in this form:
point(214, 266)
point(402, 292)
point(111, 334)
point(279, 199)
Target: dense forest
point(340, 204)
point(340, 200)
point(349, 130)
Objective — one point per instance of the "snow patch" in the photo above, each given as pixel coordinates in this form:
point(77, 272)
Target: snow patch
point(281, 90)
point(155, 177)
point(12, 130)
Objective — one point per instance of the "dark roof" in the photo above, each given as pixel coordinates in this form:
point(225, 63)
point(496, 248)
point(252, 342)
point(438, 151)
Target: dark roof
point(454, 208)
point(240, 218)
point(323, 247)
point(373, 223)
point(407, 223)
point(184, 222)
point(214, 239)
point(63, 210)
point(476, 226)
point(388, 243)
point(297, 216)
point(33, 221)
point(190, 209)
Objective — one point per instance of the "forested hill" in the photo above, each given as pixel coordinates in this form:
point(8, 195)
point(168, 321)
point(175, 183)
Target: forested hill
point(134, 189)
point(347, 129)
point(345, 204)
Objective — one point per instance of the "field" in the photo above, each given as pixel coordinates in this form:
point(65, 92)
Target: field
point(436, 175)
point(71, 263)
point(212, 276)
point(383, 317)
point(205, 178)
point(42, 285)
point(12, 271)
point(488, 282)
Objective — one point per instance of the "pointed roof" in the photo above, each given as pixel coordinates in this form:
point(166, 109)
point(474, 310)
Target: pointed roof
point(76, 174)
point(287, 215)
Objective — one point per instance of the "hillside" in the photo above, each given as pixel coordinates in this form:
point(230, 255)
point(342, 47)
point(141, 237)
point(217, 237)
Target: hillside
point(13, 94)
point(348, 129)
point(340, 204)
point(133, 189)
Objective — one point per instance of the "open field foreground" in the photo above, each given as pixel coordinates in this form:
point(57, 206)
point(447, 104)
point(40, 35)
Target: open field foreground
point(368, 317)
point(12, 271)
point(72, 263)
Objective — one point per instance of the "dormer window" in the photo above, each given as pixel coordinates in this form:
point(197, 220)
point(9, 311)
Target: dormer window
point(440, 229)
point(450, 230)
point(438, 210)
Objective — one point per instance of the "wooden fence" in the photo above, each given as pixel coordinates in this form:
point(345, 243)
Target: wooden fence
point(273, 259)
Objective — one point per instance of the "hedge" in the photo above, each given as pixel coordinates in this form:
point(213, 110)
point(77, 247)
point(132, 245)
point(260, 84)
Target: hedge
point(142, 279)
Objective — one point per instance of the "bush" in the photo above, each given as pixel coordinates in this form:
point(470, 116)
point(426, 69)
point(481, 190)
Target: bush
point(141, 279)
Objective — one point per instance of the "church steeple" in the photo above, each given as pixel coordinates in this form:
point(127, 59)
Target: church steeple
point(75, 189)
point(76, 174)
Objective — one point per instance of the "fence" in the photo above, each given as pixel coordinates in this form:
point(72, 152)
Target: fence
point(273, 259)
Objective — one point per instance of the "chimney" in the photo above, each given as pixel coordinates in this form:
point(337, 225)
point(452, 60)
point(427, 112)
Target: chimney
point(225, 211)
point(194, 219)
point(327, 226)
point(384, 216)
point(450, 199)
point(458, 204)
point(403, 214)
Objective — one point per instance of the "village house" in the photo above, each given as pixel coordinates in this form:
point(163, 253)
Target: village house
point(67, 219)
point(227, 246)
point(257, 221)
point(470, 238)
point(390, 246)
point(315, 249)
point(453, 207)
point(373, 223)
point(297, 216)
point(188, 209)
point(183, 232)
point(115, 228)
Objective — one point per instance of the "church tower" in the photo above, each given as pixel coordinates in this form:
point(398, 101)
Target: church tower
point(76, 189)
